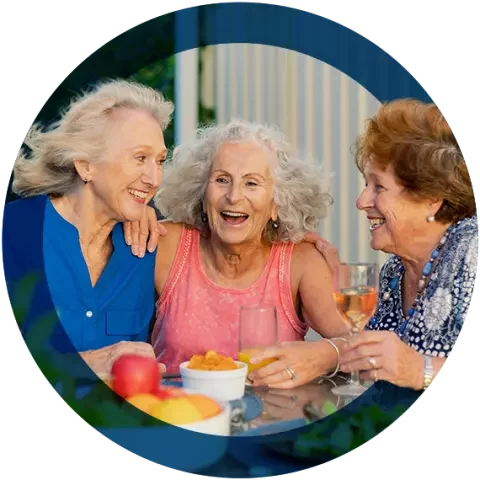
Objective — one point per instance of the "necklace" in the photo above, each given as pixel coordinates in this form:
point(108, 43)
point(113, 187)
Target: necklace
point(427, 271)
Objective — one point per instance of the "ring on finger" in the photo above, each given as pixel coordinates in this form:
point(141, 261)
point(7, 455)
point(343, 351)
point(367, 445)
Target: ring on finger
point(293, 375)
point(375, 375)
point(372, 362)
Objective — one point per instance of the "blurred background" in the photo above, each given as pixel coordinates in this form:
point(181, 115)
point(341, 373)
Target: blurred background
point(320, 109)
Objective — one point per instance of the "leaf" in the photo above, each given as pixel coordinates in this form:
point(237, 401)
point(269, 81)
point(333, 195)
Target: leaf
point(329, 407)
point(22, 298)
point(368, 429)
point(341, 438)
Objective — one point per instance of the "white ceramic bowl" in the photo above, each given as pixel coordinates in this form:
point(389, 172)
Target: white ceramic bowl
point(217, 425)
point(222, 385)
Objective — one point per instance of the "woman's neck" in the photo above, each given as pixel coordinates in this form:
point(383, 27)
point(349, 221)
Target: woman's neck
point(81, 209)
point(419, 251)
point(234, 261)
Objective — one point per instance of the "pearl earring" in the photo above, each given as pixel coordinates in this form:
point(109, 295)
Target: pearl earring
point(430, 218)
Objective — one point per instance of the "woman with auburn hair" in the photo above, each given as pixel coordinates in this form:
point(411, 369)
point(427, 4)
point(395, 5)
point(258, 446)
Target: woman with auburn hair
point(418, 199)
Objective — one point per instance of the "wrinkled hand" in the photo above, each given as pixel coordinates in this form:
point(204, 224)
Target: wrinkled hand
point(393, 360)
point(328, 250)
point(148, 228)
point(101, 360)
point(304, 358)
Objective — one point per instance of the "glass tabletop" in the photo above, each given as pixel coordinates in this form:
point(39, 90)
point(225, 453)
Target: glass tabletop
point(286, 406)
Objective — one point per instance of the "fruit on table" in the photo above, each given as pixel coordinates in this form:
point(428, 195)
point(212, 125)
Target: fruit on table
point(144, 401)
point(187, 409)
point(134, 374)
point(205, 405)
point(172, 391)
point(212, 361)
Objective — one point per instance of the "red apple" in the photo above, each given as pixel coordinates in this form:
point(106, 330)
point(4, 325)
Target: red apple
point(163, 393)
point(174, 391)
point(134, 374)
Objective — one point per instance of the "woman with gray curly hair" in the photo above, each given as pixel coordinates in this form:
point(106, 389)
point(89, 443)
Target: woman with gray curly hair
point(96, 167)
point(239, 203)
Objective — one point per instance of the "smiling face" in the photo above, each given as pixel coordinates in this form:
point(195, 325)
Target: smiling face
point(397, 221)
point(239, 196)
point(130, 170)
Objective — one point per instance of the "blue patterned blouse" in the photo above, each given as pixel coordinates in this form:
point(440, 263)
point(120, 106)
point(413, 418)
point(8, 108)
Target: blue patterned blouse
point(441, 311)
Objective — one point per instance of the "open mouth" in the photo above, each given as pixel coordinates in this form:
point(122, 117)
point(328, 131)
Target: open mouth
point(375, 223)
point(234, 218)
point(138, 195)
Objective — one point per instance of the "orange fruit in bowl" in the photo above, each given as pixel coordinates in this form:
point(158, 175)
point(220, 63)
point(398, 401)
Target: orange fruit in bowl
point(205, 405)
point(144, 401)
point(177, 411)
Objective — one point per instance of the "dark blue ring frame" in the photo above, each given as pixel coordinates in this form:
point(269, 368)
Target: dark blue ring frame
point(384, 78)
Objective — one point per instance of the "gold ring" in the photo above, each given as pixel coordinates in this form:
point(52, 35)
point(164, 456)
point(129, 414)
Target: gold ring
point(372, 362)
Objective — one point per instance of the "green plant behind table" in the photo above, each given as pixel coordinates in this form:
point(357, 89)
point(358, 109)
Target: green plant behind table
point(101, 407)
point(340, 432)
point(161, 76)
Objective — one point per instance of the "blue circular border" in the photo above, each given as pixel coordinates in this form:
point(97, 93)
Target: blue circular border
point(353, 55)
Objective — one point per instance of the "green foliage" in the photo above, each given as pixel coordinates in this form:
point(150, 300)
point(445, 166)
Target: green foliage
point(161, 75)
point(100, 407)
point(341, 433)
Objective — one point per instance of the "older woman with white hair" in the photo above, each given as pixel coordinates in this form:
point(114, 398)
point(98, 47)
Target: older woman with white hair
point(239, 203)
point(93, 169)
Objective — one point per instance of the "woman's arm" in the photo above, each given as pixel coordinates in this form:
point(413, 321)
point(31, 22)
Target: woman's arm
point(167, 250)
point(315, 292)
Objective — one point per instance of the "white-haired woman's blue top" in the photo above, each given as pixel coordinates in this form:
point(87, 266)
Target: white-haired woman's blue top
point(38, 241)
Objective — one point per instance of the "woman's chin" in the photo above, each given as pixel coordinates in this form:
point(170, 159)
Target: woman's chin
point(132, 214)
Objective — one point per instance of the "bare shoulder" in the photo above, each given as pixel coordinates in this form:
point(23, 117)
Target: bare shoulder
point(306, 257)
point(174, 232)
point(167, 249)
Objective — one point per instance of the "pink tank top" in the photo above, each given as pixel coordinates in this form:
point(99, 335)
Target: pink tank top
point(195, 315)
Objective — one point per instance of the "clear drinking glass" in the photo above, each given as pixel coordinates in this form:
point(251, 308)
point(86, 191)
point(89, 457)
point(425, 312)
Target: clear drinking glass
point(356, 296)
point(258, 329)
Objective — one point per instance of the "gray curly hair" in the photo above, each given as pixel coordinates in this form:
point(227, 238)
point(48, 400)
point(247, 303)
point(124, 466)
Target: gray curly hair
point(299, 191)
point(79, 134)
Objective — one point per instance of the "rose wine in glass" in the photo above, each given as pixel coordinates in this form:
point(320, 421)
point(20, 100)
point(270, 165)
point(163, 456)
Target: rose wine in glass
point(356, 296)
point(258, 329)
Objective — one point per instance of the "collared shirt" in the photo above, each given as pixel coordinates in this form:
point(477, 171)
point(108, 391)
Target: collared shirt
point(118, 307)
point(121, 303)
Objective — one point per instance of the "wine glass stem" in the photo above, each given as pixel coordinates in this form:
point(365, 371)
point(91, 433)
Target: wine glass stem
point(354, 376)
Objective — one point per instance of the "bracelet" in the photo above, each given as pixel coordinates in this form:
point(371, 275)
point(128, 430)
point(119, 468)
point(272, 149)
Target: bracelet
point(338, 358)
point(428, 371)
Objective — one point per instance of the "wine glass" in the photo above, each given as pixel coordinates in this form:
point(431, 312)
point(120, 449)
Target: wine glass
point(258, 329)
point(356, 296)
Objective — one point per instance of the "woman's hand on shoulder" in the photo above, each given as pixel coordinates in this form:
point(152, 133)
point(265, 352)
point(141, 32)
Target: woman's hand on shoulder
point(144, 234)
point(328, 250)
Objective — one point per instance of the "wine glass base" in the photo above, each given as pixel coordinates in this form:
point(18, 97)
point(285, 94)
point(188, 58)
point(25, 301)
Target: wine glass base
point(349, 390)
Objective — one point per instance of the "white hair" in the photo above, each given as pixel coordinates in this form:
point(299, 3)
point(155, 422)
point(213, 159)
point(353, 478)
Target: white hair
point(299, 192)
point(79, 134)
